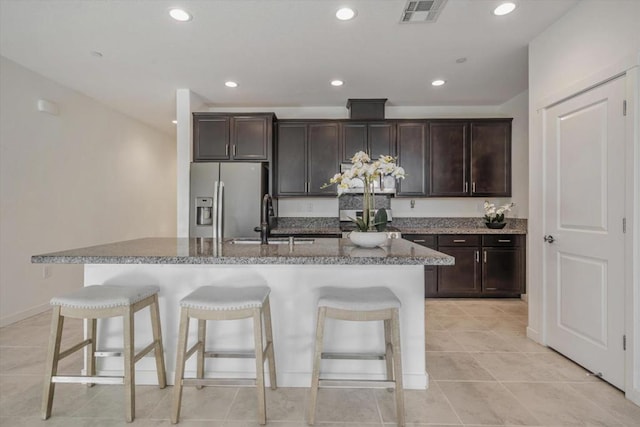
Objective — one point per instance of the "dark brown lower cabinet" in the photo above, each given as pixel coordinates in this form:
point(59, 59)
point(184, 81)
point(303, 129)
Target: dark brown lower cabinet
point(463, 278)
point(503, 264)
point(486, 265)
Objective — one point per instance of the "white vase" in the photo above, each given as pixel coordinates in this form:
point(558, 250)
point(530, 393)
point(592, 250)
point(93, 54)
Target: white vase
point(368, 239)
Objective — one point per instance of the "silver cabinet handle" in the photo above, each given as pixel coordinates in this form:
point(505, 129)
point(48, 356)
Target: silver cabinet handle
point(465, 187)
point(504, 240)
point(226, 150)
point(477, 256)
point(234, 150)
point(419, 241)
point(473, 187)
point(484, 256)
point(459, 240)
point(549, 239)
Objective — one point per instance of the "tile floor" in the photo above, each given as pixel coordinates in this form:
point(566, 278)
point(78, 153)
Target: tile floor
point(483, 371)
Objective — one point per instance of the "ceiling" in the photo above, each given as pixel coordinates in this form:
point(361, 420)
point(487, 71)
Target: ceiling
point(283, 53)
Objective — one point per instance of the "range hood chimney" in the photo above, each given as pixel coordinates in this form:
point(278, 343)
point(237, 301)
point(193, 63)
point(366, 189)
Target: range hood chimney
point(366, 109)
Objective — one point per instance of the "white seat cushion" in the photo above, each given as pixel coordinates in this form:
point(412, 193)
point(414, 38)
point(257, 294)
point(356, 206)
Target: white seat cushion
point(226, 298)
point(105, 296)
point(358, 299)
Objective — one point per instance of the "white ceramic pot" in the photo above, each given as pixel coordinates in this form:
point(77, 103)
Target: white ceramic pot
point(369, 239)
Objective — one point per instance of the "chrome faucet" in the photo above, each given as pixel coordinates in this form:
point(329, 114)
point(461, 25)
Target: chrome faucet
point(267, 208)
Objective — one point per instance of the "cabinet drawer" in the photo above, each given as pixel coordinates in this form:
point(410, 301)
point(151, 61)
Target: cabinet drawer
point(428, 240)
point(504, 240)
point(458, 240)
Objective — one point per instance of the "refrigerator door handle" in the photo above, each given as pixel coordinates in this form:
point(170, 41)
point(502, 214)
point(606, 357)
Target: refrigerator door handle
point(220, 211)
point(215, 211)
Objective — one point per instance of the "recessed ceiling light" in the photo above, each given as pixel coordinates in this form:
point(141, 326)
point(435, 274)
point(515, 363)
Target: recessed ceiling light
point(180, 15)
point(231, 84)
point(438, 82)
point(175, 122)
point(504, 8)
point(345, 14)
point(337, 82)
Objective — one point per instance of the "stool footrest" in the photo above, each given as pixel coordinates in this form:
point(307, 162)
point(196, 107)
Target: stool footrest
point(117, 352)
point(354, 356)
point(356, 384)
point(87, 380)
point(148, 349)
point(219, 382)
point(73, 349)
point(230, 354)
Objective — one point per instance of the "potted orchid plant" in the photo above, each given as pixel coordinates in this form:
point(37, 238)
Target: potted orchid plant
point(494, 216)
point(365, 171)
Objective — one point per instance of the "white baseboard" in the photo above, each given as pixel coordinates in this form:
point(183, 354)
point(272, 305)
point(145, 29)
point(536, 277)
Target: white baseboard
point(633, 395)
point(534, 335)
point(16, 317)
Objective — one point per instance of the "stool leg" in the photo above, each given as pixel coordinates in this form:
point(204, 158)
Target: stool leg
point(180, 360)
point(202, 339)
point(270, 353)
point(92, 326)
point(315, 378)
point(397, 366)
point(257, 333)
point(55, 336)
point(157, 339)
point(129, 369)
point(388, 349)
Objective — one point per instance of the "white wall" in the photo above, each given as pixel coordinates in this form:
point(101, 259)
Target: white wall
point(594, 41)
point(186, 102)
point(424, 207)
point(86, 176)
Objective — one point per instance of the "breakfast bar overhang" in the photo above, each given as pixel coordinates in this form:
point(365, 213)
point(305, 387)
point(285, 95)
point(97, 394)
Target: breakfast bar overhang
point(293, 271)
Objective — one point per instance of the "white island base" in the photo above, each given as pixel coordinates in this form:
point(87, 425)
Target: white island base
point(293, 305)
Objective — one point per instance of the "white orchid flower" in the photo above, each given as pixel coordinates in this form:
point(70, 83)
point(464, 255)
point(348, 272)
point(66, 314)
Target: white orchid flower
point(360, 157)
point(398, 172)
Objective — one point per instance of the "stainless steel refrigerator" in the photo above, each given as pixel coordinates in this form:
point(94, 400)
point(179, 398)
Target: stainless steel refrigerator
point(226, 199)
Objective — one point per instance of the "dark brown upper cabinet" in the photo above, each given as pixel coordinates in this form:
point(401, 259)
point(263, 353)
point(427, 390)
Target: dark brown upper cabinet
point(291, 159)
point(374, 138)
point(448, 151)
point(490, 169)
point(230, 137)
point(307, 157)
point(470, 158)
point(412, 156)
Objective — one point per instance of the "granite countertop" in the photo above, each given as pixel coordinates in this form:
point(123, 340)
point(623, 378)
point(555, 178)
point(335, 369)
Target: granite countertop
point(204, 251)
point(435, 225)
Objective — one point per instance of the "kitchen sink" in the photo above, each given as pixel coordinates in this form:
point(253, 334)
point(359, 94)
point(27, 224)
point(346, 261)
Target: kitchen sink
point(272, 241)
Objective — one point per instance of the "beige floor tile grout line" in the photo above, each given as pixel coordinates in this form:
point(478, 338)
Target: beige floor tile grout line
point(449, 403)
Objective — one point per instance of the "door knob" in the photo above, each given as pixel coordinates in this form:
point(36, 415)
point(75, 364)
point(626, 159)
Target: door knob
point(549, 238)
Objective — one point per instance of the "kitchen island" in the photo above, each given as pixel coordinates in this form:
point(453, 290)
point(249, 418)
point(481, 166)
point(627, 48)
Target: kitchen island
point(294, 272)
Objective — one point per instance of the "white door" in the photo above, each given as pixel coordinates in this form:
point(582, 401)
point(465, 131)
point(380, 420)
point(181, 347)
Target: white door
point(584, 208)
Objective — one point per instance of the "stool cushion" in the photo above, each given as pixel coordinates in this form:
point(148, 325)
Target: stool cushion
point(226, 298)
point(105, 296)
point(358, 299)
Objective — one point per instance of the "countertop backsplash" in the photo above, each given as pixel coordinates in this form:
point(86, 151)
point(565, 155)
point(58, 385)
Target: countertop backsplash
point(406, 225)
point(307, 222)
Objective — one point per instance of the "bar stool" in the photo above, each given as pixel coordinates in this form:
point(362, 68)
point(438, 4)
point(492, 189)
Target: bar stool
point(225, 303)
point(360, 304)
point(97, 302)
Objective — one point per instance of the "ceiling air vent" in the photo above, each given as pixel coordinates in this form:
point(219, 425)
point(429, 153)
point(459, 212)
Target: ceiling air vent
point(422, 11)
